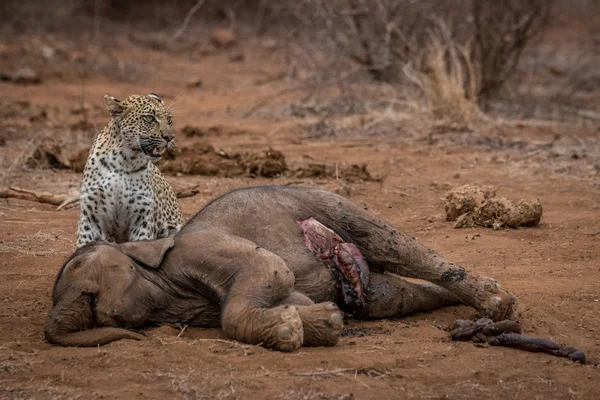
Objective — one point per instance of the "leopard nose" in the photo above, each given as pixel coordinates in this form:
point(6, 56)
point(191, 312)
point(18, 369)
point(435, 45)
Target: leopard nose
point(168, 137)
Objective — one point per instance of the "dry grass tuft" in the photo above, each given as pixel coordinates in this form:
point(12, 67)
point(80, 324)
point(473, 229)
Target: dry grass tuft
point(447, 78)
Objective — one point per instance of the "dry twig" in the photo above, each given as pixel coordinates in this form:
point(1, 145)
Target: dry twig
point(187, 192)
point(181, 331)
point(370, 372)
point(187, 19)
point(286, 91)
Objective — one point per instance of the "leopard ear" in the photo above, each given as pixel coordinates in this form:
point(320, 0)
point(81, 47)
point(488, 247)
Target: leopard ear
point(115, 107)
point(148, 252)
point(155, 97)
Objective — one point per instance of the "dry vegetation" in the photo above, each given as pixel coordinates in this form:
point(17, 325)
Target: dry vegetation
point(460, 54)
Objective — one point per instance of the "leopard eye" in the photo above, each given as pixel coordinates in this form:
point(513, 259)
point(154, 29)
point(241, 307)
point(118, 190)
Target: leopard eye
point(149, 118)
point(170, 120)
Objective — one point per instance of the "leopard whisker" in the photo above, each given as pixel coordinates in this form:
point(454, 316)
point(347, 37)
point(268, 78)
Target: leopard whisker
point(173, 101)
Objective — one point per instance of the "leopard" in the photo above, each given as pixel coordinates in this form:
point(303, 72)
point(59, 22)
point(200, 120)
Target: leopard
point(124, 197)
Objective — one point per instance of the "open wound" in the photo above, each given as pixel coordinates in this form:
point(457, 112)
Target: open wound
point(348, 264)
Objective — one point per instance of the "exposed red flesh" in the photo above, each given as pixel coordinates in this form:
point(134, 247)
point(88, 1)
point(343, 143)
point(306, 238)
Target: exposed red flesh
point(319, 239)
point(349, 260)
point(346, 257)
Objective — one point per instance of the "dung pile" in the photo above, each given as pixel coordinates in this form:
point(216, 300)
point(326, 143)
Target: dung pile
point(206, 160)
point(472, 206)
point(203, 159)
point(464, 199)
point(349, 173)
point(51, 154)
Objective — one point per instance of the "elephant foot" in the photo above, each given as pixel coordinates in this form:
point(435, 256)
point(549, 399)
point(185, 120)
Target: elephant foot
point(322, 324)
point(286, 333)
point(499, 304)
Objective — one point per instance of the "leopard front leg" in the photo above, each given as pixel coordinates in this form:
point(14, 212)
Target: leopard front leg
point(143, 222)
point(88, 229)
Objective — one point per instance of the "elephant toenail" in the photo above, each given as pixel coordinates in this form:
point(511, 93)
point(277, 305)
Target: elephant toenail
point(287, 347)
point(285, 333)
point(336, 319)
point(334, 337)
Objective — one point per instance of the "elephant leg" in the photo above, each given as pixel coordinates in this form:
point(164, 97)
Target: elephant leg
point(391, 296)
point(253, 311)
point(384, 248)
point(387, 249)
point(322, 322)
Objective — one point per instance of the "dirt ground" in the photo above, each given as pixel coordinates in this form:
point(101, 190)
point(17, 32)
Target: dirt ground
point(410, 163)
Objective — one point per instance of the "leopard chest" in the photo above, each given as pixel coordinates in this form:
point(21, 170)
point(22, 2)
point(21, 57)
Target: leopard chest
point(120, 201)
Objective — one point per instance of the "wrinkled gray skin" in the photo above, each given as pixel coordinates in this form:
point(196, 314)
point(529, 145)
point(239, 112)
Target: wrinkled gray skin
point(242, 263)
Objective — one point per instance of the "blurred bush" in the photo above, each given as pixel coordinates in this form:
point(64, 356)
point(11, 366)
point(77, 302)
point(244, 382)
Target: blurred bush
point(460, 52)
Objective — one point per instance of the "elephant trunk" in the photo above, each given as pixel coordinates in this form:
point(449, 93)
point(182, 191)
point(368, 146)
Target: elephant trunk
point(92, 338)
point(71, 322)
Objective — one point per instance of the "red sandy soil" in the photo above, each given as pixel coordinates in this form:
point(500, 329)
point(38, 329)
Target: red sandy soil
point(554, 268)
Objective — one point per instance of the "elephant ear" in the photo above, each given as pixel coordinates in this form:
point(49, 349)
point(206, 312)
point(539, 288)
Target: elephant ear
point(148, 252)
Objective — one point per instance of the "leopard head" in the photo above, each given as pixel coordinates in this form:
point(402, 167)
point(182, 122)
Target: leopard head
point(144, 123)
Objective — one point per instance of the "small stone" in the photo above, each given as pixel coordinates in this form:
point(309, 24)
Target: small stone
point(26, 75)
point(268, 43)
point(194, 83)
point(237, 57)
point(48, 52)
point(222, 37)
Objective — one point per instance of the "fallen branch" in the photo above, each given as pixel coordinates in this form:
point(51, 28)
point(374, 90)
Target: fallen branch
point(67, 202)
point(40, 197)
point(62, 201)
